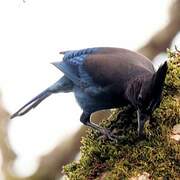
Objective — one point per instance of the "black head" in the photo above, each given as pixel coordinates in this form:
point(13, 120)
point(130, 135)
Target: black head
point(144, 93)
point(149, 96)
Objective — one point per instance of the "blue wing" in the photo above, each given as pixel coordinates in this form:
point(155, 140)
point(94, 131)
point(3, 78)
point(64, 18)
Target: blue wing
point(72, 65)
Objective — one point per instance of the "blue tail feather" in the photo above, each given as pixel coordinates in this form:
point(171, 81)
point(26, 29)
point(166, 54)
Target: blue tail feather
point(62, 85)
point(31, 104)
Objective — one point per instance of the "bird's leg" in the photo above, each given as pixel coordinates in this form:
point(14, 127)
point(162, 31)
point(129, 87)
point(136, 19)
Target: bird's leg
point(103, 131)
point(85, 119)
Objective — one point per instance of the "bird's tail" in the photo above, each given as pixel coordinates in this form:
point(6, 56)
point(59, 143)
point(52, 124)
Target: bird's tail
point(32, 104)
point(62, 85)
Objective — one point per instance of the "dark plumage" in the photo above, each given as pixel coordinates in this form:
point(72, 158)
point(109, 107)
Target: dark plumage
point(103, 78)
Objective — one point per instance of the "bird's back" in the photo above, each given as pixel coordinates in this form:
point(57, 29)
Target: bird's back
point(109, 65)
point(104, 66)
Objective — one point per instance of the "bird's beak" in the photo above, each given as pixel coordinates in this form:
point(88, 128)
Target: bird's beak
point(142, 118)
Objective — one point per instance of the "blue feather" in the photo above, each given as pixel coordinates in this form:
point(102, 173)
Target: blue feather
point(69, 55)
point(72, 66)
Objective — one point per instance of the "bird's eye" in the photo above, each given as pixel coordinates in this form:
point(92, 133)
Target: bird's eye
point(140, 99)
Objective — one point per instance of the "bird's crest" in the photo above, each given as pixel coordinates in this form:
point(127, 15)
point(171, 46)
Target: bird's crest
point(158, 80)
point(151, 91)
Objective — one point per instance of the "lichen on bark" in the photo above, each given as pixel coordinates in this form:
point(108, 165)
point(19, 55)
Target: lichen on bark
point(157, 154)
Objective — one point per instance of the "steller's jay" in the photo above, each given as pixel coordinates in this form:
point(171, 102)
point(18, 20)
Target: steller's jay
point(104, 78)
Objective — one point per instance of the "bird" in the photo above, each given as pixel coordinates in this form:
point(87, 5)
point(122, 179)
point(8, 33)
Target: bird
point(104, 78)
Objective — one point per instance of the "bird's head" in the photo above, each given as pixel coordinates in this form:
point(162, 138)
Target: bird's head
point(150, 91)
point(145, 93)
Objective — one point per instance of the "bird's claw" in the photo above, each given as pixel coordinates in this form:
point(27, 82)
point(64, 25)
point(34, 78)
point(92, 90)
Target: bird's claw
point(107, 134)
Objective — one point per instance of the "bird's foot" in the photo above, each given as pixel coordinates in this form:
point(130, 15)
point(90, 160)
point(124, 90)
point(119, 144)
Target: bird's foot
point(108, 134)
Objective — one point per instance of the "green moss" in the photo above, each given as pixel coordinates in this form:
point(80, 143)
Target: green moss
point(173, 76)
point(157, 154)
